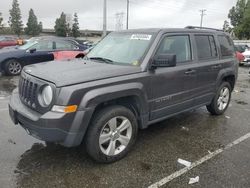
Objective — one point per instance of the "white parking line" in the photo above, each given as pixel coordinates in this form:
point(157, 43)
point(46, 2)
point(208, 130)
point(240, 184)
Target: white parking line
point(197, 163)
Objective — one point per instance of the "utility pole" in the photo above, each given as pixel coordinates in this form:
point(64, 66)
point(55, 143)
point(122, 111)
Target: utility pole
point(104, 18)
point(202, 15)
point(119, 20)
point(127, 13)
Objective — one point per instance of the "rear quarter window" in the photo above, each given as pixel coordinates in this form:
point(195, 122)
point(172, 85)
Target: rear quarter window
point(226, 46)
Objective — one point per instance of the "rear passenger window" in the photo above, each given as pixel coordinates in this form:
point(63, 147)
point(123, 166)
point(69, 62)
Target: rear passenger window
point(178, 45)
point(65, 46)
point(226, 46)
point(206, 47)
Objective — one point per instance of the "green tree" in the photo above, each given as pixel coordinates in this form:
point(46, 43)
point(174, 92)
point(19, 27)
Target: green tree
point(75, 27)
point(243, 29)
point(236, 16)
point(226, 27)
point(236, 13)
point(15, 19)
point(33, 27)
point(61, 27)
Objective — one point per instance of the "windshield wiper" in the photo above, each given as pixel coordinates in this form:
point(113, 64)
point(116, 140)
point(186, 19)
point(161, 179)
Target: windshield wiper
point(105, 60)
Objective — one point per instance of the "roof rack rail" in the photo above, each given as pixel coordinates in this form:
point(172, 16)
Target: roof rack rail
point(197, 27)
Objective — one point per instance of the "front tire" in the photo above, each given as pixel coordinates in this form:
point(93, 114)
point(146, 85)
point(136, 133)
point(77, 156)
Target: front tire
point(221, 100)
point(111, 134)
point(13, 67)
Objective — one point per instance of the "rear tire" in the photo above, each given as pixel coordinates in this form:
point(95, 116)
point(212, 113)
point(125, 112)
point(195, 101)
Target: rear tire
point(221, 100)
point(111, 134)
point(12, 67)
point(241, 64)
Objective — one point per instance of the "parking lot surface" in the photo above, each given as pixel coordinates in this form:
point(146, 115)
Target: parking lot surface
point(27, 162)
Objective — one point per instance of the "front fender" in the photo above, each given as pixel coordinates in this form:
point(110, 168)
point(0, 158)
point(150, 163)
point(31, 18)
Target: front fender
point(97, 96)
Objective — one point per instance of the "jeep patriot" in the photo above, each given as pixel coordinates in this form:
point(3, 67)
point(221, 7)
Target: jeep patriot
point(130, 80)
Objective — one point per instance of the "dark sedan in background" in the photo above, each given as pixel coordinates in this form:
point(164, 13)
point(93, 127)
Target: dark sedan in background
point(37, 50)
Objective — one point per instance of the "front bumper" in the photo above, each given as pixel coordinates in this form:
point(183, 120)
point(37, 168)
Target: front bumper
point(65, 129)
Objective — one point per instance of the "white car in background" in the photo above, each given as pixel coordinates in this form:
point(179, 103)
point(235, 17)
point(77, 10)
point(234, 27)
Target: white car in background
point(246, 54)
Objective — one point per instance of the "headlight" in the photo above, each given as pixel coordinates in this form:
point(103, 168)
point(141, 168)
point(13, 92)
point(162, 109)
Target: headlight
point(45, 97)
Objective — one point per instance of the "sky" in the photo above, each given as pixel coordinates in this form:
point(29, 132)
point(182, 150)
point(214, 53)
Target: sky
point(143, 13)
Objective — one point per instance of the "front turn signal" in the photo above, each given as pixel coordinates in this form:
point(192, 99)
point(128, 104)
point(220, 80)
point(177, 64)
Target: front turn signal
point(64, 109)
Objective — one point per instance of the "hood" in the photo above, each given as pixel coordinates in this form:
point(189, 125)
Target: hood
point(64, 73)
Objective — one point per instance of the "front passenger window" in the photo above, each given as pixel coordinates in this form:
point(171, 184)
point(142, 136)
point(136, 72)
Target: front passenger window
point(178, 45)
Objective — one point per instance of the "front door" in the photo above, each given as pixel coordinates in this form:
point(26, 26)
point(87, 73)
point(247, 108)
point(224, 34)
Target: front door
point(173, 88)
point(42, 53)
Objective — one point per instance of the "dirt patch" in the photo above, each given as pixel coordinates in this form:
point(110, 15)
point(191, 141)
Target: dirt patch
point(145, 166)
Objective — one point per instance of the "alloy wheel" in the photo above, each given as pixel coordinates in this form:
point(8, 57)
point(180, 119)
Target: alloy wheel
point(115, 136)
point(223, 99)
point(15, 67)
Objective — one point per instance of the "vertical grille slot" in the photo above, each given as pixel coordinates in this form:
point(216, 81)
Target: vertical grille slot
point(28, 92)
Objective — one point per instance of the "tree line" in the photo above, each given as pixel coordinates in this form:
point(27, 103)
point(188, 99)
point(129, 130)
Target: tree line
point(34, 27)
point(239, 16)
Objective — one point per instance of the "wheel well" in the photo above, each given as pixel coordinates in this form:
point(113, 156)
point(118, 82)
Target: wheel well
point(5, 61)
point(230, 79)
point(130, 102)
point(80, 56)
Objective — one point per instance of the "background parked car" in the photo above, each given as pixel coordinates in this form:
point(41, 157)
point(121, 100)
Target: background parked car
point(61, 55)
point(36, 51)
point(6, 41)
point(83, 44)
point(240, 57)
point(241, 48)
point(246, 55)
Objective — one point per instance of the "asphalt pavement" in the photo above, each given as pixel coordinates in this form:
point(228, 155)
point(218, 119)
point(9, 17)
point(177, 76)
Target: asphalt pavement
point(218, 148)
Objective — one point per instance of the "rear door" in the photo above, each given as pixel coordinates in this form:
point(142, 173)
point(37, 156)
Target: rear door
point(173, 87)
point(65, 50)
point(209, 66)
point(211, 62)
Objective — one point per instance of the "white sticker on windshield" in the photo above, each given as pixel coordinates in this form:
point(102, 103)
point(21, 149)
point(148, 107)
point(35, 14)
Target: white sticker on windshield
point(140, 37)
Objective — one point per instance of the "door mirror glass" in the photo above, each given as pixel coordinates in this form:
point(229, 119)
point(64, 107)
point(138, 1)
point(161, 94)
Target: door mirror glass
point(164, 60)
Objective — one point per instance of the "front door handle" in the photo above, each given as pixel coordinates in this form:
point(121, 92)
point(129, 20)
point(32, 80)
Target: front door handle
point(190, 72)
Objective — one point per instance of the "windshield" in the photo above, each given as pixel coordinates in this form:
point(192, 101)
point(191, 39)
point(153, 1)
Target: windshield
point(121, 48)
point(28, 45)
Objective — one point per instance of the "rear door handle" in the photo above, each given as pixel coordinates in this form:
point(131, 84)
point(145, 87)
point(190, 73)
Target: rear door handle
point(190, 72)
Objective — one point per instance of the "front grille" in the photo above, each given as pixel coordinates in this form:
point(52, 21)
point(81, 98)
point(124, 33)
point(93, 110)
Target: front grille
point(28, 91)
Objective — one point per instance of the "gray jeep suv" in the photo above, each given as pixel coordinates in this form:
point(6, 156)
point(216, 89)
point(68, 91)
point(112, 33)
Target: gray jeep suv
point(130, 80)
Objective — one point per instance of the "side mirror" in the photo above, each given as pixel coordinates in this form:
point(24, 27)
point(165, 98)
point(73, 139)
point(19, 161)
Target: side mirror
point(32, 50)
point(164, 60)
